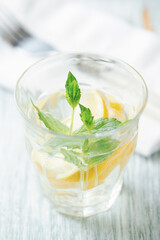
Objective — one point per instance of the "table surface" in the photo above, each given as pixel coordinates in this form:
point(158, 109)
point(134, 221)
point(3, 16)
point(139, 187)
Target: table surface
point(26, 215)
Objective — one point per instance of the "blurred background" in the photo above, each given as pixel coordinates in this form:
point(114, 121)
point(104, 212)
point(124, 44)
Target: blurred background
point(31, 29)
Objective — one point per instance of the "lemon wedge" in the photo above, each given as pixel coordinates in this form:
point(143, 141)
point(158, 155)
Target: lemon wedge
point(116, 109)
point(55, 167)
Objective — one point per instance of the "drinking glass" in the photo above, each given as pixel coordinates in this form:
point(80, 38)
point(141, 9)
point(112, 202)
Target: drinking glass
point(92, 189)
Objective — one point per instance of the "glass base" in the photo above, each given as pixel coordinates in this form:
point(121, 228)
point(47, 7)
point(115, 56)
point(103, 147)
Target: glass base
point(83, 203)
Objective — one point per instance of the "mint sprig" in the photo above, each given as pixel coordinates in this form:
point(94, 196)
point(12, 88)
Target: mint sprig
point(84, 153)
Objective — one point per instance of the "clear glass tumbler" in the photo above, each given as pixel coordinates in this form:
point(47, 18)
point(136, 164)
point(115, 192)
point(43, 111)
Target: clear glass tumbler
point(91, 189)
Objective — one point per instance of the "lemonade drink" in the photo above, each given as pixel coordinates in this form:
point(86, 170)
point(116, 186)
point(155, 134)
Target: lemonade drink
point(80, 158)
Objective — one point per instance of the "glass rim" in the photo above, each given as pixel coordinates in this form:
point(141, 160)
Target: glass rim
point(97, 135)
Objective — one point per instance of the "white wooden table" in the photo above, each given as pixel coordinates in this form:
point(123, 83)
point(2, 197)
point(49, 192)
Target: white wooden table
point(26, 215)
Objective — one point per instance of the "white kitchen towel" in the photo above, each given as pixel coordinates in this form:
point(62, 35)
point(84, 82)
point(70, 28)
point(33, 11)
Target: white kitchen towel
point(75, 26)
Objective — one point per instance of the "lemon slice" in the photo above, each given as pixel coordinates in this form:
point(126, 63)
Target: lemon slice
point(94, 101)
point(116, 109)
point(54, 167)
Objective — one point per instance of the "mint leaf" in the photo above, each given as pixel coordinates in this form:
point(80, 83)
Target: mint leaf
point(58, 142)
point(106, 124)
point(99, 146)
point(50, 122)
point(84, 154)
point(73, 157)
point(96, 151)
point(73, 92)
point(70, 148)
point(86, 117)
point(101, 125)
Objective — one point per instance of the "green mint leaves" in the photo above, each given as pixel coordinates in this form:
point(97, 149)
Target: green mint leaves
point(50, 122)
point(86, 117)
point(84, 153)
point(73, 92)
point(90, 125)
point(98, 150)
point(100, 125)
